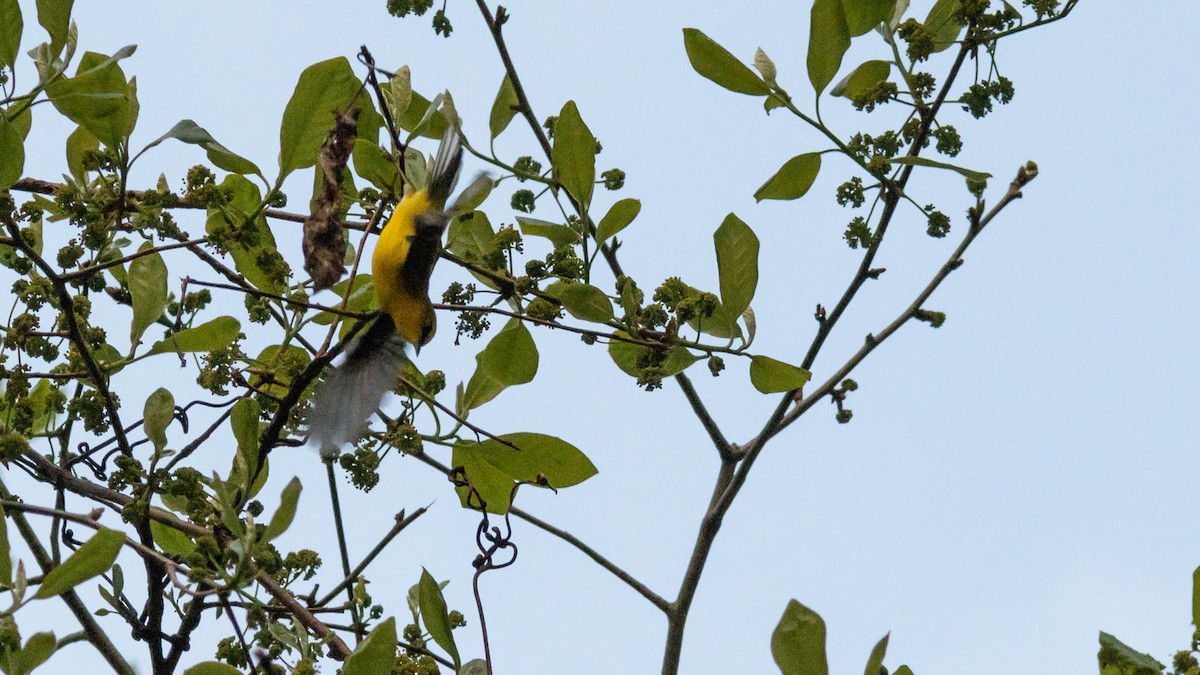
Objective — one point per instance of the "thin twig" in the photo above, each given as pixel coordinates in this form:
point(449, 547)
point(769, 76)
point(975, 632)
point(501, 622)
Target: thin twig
point(401, 523)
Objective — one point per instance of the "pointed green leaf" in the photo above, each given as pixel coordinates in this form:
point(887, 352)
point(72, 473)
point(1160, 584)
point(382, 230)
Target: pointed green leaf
point(943, 21)
point(493, 467)
point(863, 15)
point(921, 161)
point(574, 154)
point(323, 89)
point(716, 63)
point(863, 80)
point(171, 540)
point(94, 557)
point(55, 17)
point(1118, 658)
point(503, 108)
point(244, 421)
point(559, 235)
point(435, 616)
point(765, 66)
point(875, 662)
point(398, 92)
point(903, 670)
point(11, 25)
point(6, 567)
point(157, 414)
point(737, 263)
point(792, 180)
point(375, 654)
point(770, 376)
point(798, 643)
point(619, 216)
point(509, 359)
point(189, 132)
point(98, 97)
point(217, 668)
point(37, 650)
point(206, 337)
point(828, 40)
point(12, 153)
point(79, 144)
point(147, 280)
point(582, 300)
point(286, 512)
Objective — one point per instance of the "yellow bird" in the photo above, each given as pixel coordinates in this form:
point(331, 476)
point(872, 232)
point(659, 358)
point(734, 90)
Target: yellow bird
point(405, 254)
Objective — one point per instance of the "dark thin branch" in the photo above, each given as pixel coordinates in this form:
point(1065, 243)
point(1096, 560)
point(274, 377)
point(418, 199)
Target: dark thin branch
point(642, 589)
point(401, 523)
point(336, 505)
point(706, 419)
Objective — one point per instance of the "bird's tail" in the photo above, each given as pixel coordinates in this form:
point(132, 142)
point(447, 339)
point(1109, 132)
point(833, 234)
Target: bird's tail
point(347, 399)
point(444, 173)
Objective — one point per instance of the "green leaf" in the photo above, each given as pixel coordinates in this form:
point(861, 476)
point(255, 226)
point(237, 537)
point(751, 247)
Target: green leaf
point(627, 356)
point(770, 376)
point(370, 161)
point(55, 17)
point(715, 62)
point(1118, 658)
point(206, 337)
point(12, 153)
point(323, 88)
point(828, 40)
point(619, 216)
point(863, 15)
point(80, 143)
point(158, 413)
point(171, 540)
point(420, 119)
point(243, 214)
point(375, 654)
point(6, 567)
point(11, 25)
point(574, 154)
point(147, 280)
point(98, 97)
point(493, 467)
point(286, 512)
point(863, 80)
point(474, 667)
point(559, 235)
point(944, 24)
point(903, 670)
point(218, 668)
point(509, 359)
point(798, 643)
point(583, 301)
point(792, 180)
point(362, 298)
point(471, 238)
point(921, 161)
point(189, 132)
point(737, 263)
point(94, 557)
point(1195, 584)
point(504, 108)
point(435, 616)
point(398, 93)
point(37, 650)
point(244, 421)
point(875, 662)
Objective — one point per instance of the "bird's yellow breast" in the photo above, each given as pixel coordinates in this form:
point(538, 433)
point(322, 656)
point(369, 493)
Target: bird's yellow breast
point(410, 312)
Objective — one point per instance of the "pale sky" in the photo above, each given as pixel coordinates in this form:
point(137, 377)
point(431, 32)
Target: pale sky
point(1011, 483)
